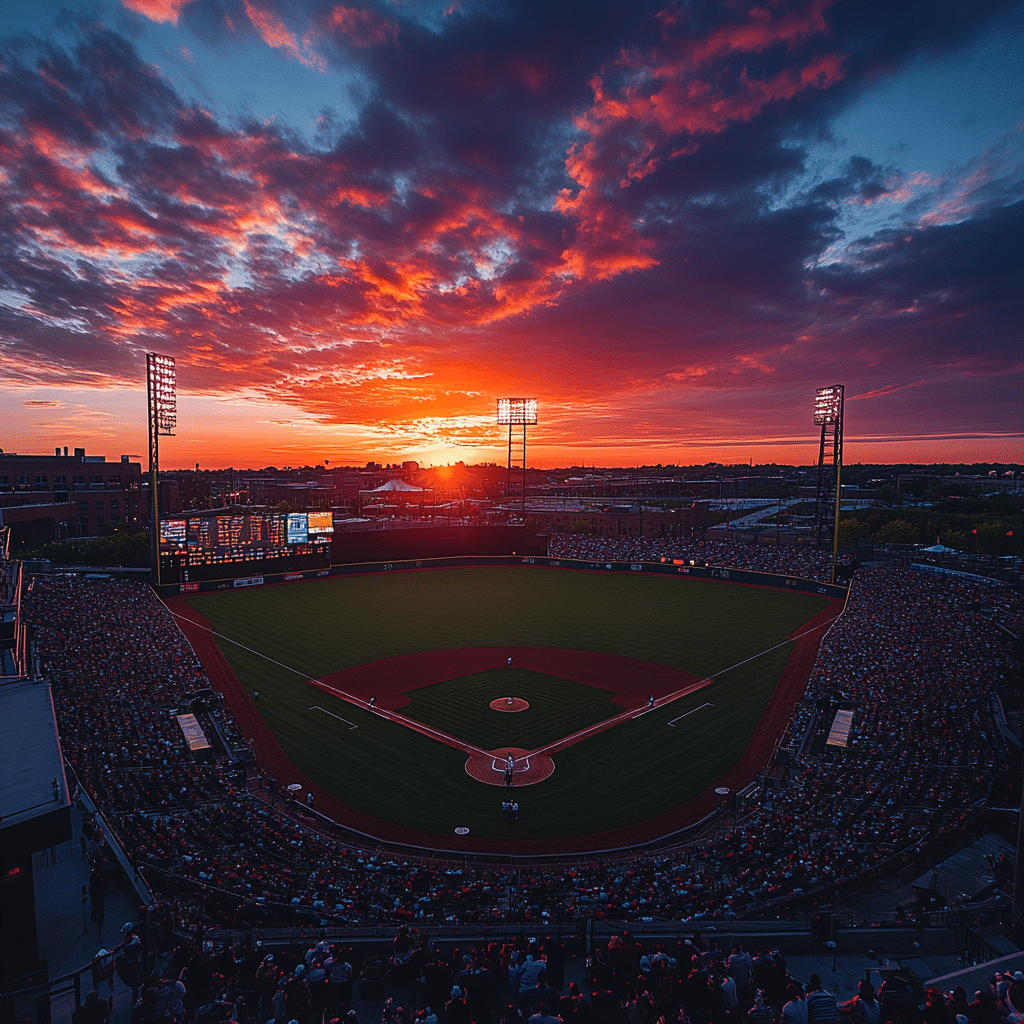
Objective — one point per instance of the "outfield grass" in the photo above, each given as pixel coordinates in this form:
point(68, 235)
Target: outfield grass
point(558, 708)
point(625, 775)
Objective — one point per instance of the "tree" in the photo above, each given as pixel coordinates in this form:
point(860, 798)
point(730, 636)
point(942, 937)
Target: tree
point(849, 530)
point(899, 531)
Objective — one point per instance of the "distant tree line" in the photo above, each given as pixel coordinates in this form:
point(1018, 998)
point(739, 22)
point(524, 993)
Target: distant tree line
point(974, 525)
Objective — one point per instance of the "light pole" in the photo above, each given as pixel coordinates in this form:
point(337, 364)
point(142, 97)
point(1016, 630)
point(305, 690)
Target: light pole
point(161, 392)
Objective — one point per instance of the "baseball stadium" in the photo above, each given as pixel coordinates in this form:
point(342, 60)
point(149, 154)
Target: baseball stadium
point(652, 737)
point(604, 687)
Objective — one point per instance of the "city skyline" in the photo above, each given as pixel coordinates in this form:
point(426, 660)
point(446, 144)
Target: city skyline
point(355, 227)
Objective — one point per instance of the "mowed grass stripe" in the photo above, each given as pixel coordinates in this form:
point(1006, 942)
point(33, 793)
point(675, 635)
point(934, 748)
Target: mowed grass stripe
point(699, 626)
point(558, 707)
point(620, 777)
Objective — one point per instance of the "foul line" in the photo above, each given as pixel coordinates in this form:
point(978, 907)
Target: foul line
point(393, 716)
point(352, 725)
point(259, 654)
point(688, 713)
point(409, 723)
point(468, 748)
point(633, 713)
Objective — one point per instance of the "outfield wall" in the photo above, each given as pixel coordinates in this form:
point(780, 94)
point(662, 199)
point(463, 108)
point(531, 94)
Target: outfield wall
point(762, 579)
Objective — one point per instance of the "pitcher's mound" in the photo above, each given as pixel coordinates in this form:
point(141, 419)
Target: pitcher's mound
point(529, 768)
point(502, 704)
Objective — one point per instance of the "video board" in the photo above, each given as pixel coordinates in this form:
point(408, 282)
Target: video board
point(219, 546)
point(321, 524)
point(296, 528)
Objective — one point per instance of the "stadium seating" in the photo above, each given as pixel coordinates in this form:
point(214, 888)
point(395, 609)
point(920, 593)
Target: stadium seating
point(911, 655)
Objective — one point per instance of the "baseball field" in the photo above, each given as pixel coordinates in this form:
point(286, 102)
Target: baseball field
point(633, 695)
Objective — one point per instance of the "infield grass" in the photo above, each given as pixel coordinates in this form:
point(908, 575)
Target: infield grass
point(558, 708)
point(625, 775)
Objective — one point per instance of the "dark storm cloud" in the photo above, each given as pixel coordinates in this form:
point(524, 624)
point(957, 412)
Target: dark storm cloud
point(617, 183)
point(954, 289)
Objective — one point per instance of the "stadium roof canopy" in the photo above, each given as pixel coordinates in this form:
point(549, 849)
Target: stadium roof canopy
point(35, 811)
point(395, 485)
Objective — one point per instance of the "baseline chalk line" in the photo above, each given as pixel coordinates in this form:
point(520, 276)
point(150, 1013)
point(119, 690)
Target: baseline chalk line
point(351, 725)
point(688, 713)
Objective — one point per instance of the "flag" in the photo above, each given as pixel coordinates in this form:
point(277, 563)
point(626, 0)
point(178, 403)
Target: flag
point(975, 532)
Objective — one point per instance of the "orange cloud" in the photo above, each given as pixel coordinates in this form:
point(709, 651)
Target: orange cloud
point(275, 33)
point(157, 10)
point(363, 28)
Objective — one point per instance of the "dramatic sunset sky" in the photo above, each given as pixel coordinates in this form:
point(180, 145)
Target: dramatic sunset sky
point(356, 224)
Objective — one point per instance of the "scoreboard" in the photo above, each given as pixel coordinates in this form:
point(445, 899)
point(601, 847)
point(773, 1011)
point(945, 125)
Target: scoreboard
point(212, 547)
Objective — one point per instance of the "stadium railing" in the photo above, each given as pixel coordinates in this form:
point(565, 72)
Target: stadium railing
point(38, 998)
point(138, 883)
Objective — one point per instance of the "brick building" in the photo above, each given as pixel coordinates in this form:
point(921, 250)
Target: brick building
point(70, 495)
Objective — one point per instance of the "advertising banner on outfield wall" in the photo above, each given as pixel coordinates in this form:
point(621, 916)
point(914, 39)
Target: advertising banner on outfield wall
point(763, 579)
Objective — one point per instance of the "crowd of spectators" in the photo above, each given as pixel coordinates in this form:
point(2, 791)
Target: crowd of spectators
point(911, 656)
point(689, 980)
point(1007, 608)
point(806, 562)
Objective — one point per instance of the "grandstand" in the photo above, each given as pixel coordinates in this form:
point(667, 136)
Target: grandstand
point(918, 680)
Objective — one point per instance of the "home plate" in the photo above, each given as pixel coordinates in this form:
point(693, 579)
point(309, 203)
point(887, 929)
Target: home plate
point(528, 768)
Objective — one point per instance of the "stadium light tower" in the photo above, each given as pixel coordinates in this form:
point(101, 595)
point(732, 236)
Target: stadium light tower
point(161, 393)
point(828, 414)
point(516, 412)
